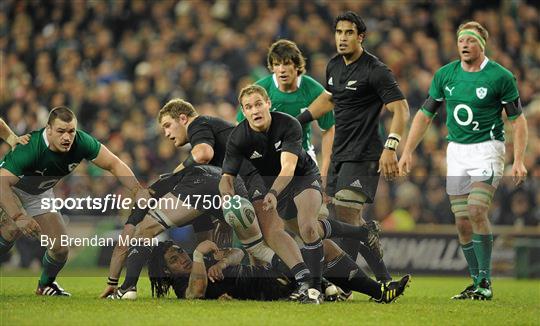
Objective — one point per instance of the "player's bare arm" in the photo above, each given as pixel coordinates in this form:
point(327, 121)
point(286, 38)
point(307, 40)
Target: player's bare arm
point(226, 185)
point(27, 225)
point(225, 257)
point(322, 105)
point(417, 131)
point(110, 162)
point(118, 260)
point(520, 135)
point(198, 279)
point(10, 137)
point(200, 154)
point(327, 142)
point(388, 163)
point(288, 165)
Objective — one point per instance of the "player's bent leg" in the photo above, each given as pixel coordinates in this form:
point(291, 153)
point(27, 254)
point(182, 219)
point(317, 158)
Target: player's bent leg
point(479, 201)
point(9, 232)
point(53, 227)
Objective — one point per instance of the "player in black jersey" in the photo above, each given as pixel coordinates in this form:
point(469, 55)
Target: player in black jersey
point(170, 266)
point(358, 86)
point(272, 142)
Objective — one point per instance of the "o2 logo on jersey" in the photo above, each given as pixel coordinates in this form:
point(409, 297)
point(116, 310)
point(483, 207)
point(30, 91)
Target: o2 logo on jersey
point(469, 119)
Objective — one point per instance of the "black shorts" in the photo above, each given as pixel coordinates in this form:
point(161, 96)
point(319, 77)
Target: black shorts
point(286, 207)
point(361, 176)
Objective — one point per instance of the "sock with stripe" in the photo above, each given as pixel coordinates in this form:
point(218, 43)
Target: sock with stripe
point(472, 261)
point(314, 256)
point(334, 228)
point(51, 268)
point(344, 273)
point(482, 245)
point(137, 258)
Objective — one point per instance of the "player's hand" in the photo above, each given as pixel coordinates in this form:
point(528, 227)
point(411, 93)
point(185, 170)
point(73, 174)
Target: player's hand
point(215, 273)
point(14, 140)
point(109, 289)
point(405, 164)
point(269, 202)
point(28, 226)
point(388, 164)
point(519, 172)
point(207, 247)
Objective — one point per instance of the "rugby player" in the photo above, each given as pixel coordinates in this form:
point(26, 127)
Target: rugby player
point(29, 174)
point(272, 141)
point(171, 266)
point(476, 90)
point(358, 86)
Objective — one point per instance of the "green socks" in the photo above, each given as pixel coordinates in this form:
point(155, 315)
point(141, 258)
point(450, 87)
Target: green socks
point(51, 268)
point(482, 245)
point(472, 261)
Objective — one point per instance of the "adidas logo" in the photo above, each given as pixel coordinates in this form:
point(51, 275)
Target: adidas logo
point(256, 193)
point(351, 82)
point(331, 81)
point(356, 184)
point(316, 183)
point(277, 145)
point(255, 155)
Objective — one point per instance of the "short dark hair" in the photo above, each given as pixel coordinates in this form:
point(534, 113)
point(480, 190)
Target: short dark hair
point(62, 113)
point(352, 17)
point(285, 51)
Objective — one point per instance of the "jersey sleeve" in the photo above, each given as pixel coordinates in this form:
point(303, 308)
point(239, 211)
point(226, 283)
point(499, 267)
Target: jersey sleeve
point(201, 133)
point(385, 84)
point(18, 160)
point(292, 137)
point(233, 157)
point(435, 92)
point(509, 89)
point(87, 145)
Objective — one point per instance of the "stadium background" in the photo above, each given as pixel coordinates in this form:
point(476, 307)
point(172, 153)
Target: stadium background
point(115, 63)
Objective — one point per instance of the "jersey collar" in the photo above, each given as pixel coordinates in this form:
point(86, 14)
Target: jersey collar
point(45, 137)
point(482, 65)
point(298, 81)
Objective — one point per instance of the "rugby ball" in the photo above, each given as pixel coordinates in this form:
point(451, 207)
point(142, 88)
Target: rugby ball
point(240, 213)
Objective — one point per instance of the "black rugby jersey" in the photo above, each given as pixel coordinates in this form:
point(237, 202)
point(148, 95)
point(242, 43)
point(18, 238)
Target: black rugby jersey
point(359, 91)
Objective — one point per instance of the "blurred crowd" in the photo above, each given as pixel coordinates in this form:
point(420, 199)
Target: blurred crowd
point(115, 63)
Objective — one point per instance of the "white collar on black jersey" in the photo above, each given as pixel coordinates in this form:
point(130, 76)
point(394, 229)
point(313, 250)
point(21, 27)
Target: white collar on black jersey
point(482, 65)
point(45, 138)
point(298, 81)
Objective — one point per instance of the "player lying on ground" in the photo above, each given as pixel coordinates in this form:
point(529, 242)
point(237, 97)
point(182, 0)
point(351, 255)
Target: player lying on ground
point(171, 266)
point(189, 184)
point(29, 173)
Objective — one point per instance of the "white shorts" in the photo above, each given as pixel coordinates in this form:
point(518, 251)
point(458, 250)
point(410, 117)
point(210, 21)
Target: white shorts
point(469, 163)
point(32, 203)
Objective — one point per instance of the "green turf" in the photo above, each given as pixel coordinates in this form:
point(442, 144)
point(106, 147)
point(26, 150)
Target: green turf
point(425, 302)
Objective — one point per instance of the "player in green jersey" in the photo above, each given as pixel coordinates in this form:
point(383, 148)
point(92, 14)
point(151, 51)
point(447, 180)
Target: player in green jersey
point(476, 90)
point(10, 137)
point(30, 172)
point(291, 91)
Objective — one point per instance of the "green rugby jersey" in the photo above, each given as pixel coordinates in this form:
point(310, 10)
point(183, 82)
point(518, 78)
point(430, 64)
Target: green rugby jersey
point(295, 102)
point(39, 168)
point(474, 100)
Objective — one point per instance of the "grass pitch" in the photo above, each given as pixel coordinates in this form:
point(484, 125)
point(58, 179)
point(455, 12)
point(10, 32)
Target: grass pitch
point(425, 302)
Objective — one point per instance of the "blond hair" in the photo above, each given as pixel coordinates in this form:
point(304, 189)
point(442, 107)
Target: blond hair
point(175, 107)
point(253, 89)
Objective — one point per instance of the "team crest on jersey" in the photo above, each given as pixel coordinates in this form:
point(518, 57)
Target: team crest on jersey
point(481, 92)
point(72, 166)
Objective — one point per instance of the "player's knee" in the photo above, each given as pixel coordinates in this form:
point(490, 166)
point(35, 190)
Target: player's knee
point(464, 227)
point(308, 231)
point(60, 253)
point(477, 214)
